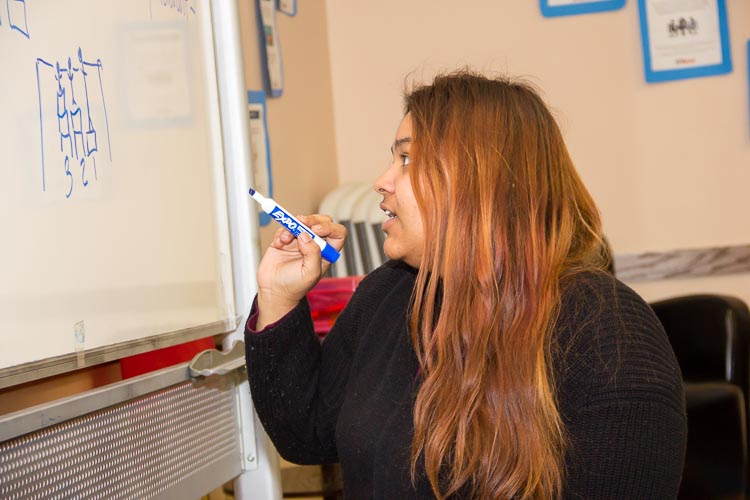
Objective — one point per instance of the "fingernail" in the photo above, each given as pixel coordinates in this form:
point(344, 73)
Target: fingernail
point(316, 227)
point(305, 237)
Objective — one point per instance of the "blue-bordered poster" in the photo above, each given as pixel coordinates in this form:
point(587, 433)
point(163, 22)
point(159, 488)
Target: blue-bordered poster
point(554, 8)
point(684, 39)
point(271, 62)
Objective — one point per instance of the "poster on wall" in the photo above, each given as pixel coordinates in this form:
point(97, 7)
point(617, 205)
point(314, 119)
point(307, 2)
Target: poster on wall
point(273, 73)
point(260, 147)
point(555, 8)
point(684, 39)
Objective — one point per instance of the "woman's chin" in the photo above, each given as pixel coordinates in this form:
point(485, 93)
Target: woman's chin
point(388, 251)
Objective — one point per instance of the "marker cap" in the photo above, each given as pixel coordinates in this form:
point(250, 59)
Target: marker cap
point(330, 254)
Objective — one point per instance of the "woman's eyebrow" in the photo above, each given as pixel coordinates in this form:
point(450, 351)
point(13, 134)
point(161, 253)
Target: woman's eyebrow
point(400, 142)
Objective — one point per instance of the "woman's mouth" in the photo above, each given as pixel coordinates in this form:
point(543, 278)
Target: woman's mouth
point(391, 216)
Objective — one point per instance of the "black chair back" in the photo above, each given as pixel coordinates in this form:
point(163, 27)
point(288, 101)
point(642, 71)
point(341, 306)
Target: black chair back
point(710, 335)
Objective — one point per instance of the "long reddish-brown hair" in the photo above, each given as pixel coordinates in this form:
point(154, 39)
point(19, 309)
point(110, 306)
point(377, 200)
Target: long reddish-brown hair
point(509, 220)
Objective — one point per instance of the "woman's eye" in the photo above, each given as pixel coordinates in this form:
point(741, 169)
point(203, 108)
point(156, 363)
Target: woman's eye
point(405, 158)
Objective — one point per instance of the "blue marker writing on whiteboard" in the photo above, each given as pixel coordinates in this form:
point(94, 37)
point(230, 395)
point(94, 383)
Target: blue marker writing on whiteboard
point(280, 215)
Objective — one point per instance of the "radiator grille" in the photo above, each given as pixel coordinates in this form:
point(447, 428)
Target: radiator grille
point(137, 449)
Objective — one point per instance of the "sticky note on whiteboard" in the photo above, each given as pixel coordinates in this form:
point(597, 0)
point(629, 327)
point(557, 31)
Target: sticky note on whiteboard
point(79, 339)
point(156, 81)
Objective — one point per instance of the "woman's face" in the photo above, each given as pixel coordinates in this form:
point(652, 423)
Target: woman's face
point(405, 234)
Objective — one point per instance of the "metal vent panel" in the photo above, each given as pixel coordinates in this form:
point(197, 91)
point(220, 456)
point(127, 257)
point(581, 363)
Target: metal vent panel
point(143, 448)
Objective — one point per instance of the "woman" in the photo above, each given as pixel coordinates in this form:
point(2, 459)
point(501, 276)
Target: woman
point(493, 356)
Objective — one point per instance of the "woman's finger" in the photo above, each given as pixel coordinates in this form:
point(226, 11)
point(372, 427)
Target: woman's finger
point(334, 233)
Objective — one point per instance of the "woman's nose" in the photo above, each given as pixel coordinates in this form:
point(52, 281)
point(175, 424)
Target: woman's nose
point(384, 183)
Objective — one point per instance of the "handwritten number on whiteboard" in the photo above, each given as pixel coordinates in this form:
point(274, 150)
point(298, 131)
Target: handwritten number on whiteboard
point(83, 172)
point(67, 172)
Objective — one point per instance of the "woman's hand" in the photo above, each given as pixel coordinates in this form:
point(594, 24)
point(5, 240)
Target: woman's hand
point(292, 266)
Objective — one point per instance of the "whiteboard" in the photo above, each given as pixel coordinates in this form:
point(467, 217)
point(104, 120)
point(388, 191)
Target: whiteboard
point(112, 205)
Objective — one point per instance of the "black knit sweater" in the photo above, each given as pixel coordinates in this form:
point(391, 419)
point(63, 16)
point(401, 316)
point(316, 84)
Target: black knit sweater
point(351, 399)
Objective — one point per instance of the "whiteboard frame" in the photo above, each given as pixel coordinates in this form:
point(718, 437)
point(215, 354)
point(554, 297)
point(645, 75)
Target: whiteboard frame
point(29, 372)
point(56, 365)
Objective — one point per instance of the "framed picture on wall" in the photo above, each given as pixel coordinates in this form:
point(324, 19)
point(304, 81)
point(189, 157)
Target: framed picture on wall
point(555, 8)
point(684, 39)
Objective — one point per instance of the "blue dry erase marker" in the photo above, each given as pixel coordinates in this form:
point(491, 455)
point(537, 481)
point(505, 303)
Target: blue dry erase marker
point(280, 215)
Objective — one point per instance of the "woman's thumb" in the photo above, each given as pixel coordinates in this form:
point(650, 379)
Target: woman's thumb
point(310, 251)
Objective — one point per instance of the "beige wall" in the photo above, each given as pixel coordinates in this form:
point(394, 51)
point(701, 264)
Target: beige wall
point(23, 396)
point(300, 122)
point(669, 163)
